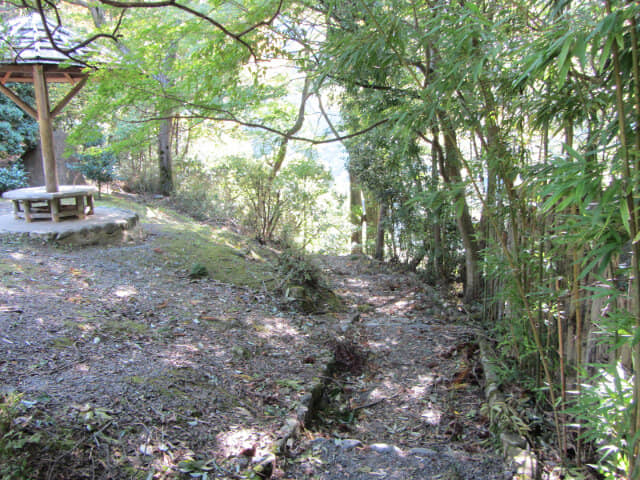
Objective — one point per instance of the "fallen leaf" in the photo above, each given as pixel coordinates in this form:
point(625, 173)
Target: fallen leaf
point(77, 299)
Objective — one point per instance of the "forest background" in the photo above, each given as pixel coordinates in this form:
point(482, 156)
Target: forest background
point(495, 144)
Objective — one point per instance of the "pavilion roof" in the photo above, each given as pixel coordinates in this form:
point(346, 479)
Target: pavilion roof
point(27, 43)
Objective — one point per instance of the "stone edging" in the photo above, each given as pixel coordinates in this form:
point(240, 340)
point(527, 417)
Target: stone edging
point(303, 415)
point(514, 446)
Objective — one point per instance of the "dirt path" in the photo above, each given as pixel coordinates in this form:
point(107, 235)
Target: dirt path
point(414, 410)
point(129, 369)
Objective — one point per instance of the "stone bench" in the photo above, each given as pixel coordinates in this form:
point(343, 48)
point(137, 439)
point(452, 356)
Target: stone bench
point(36, 203)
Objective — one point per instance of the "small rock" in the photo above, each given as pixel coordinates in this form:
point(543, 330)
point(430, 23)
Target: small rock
point(146, 449)
point(385, 448)
point(373, 324)
point(422, 452)
point(347, 443)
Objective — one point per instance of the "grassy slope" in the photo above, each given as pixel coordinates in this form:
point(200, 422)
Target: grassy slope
point(227, 256)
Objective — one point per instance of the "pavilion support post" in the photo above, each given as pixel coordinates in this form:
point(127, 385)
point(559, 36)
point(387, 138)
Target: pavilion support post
point(46, 129)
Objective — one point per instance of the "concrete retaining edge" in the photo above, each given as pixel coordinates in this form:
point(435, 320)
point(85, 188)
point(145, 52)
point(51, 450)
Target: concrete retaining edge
point(294, 424)
point(514, 446)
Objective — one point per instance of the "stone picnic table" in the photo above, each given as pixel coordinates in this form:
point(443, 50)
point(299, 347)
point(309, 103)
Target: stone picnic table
point(36, 203)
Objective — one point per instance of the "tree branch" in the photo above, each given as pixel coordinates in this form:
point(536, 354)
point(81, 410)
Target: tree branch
point(233, 119)
point(266, 23)
point(173, 3)
point(67, 52)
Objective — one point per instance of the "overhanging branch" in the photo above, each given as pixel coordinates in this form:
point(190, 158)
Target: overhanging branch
point(233, 119)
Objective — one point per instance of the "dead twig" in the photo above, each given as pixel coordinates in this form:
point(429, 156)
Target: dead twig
point(373, 403)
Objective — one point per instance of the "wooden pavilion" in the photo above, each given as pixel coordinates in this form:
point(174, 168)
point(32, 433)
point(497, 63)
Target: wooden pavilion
point(36, 58)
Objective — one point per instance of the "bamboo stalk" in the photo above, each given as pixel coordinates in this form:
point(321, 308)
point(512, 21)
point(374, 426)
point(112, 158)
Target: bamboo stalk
point(523, 296)
point(627, 179)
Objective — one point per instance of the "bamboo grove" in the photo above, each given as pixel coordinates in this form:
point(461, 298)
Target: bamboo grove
point(519, 124)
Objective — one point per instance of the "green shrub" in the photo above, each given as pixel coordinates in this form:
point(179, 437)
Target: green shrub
point(16, 438)
point(12, 177)
point(97, 163)
point(18, 131)
point(296, 268)
point(605, 409)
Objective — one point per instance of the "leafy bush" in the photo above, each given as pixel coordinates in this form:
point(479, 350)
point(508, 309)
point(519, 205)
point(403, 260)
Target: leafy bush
point(194, 193)
point(18, 131)
point(12, 177)
point(296, 269)
point(96, 163)
point(606, 413)
point(15, 439)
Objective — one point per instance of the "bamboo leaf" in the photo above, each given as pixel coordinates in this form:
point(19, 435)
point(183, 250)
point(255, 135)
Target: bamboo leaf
point(564, 60)
point(624, 212)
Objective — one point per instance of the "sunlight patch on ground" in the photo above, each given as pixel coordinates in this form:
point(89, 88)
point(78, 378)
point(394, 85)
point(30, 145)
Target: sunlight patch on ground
point(275, 327)
point(17, 255)
point(82, 367)
point(357, 283)
point(181, 355)
point(386, 389)
point(431, 415)
point(422, 388)
point(383, 344)
point(233, 442)
point(158, 216)
point(125, 291)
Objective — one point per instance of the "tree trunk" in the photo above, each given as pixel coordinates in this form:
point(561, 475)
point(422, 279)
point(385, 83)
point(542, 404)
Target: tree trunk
point(355, 200)
point(165, 166)
point(437, 253)
point(273, 211)
point(382, 215)
point(282, 149)
point(450, 169)
point(371, 214)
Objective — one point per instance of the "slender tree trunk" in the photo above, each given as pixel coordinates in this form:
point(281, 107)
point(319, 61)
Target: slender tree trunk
point(273, 211)
point(165, 160)
point(438, 247)
point(628, 174)
point(450, 170)
point(371, 214)
point(284, 143)
point(382, 214)
point(356, 217)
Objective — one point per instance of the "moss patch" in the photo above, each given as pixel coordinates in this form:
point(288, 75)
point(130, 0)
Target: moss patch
point(226, 256)
point(124, 327)
point(62, 342)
